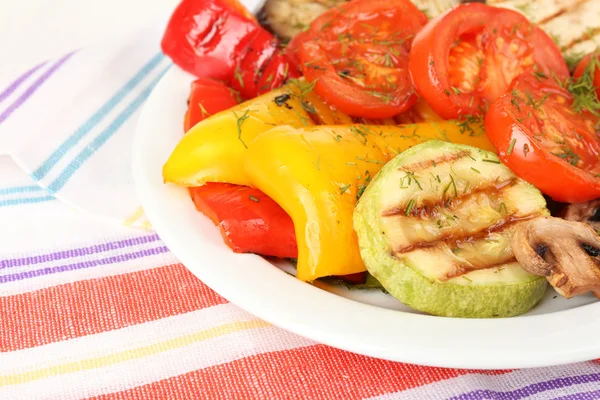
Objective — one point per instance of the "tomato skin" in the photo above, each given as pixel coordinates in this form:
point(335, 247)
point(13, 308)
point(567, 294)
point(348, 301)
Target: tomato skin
point(348, 99)
point(208, 97)
point(582, 65)
point(249, 220)
point(357, 55)
point(493, 32)
point(293, 48)
point(529, 158)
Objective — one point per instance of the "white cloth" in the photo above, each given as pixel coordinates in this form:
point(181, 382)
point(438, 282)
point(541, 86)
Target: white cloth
point(69, 122)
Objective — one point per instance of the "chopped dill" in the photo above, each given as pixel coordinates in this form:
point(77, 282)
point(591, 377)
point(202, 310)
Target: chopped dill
point(240, 121)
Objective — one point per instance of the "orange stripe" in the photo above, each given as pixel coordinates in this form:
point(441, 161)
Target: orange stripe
point(315, 372)
point(88, 307)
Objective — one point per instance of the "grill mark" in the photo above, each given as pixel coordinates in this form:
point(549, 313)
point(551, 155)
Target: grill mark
point(552, 16)
point(434, 162)
point(451, 240)
point(565, 9)
point(588, 35)
point(462, 269)
point(428, 210)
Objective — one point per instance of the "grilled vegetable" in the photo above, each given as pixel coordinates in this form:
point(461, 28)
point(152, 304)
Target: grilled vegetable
point(208, 97)
point(287, 18)
point(548, 136)
point(434, 227)
point(357, 56)
point(316, 174)
point(249, 221)
point(211, 151)
point(220, 39)
point(464, 60)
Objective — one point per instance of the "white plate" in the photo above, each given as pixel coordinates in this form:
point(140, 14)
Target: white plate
point(557, 331)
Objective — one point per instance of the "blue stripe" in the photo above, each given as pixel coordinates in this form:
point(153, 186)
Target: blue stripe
point(14, 202)
point(106, 134)
point(21, 189)
point(96, 118)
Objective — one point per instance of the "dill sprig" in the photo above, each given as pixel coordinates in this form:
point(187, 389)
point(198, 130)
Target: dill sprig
point(240, 121)
point(583, 89)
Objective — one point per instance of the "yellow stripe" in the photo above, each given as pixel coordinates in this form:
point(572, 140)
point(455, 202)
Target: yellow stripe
point(146, 225)
point(132, 354)
point(137, 214)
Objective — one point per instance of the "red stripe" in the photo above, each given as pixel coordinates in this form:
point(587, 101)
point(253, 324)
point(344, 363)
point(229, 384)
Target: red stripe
point(315, 372)
point(88, 307)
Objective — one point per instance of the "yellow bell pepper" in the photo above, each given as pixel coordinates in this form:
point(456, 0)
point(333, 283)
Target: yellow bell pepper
point(316, 174)
point(213, 149)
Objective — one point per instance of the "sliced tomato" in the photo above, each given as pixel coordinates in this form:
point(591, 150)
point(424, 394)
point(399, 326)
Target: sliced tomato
point(293, 48)
point(592, 69)
point(208, 97)
point(249, 220)
point(357, 55)
point(465, 59)
point(543, 140)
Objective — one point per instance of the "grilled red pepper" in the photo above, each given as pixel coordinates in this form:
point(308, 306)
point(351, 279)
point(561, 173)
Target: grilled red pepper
point(208, 97)
point(220, 39)
point(249, 220)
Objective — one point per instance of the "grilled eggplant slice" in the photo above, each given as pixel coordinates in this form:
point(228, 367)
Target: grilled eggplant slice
point(435, 226)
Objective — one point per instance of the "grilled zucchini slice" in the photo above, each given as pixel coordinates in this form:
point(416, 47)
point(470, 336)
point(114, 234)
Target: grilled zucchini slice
point(434, 227)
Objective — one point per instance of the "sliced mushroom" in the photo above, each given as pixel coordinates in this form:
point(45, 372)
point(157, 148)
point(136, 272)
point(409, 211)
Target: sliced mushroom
point(565, 252)
point(588, 212)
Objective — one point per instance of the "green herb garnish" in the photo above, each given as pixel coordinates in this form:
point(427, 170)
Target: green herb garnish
point(409, 208)
point(344, 188)
point(512, 145)
point(240, 121)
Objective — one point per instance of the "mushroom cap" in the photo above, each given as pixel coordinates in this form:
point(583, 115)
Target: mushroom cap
point(565, 252)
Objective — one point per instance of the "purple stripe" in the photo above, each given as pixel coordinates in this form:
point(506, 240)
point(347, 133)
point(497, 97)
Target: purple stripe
point(13, 86)
point(86, 264)
point(31, 89)
point(82, 251)
point(529, 390)
point(581, 396)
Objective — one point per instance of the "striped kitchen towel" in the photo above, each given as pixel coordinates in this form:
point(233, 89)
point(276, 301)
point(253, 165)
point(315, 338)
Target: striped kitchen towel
point(91, 309)
point(69, 122)
point(94, 309)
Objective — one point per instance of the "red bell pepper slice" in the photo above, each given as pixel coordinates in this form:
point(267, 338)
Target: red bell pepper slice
point(249, 220)
point(208, 97)
point(220, 39)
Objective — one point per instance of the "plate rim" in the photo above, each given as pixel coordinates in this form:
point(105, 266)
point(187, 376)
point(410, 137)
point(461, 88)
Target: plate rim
point(326, 325)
